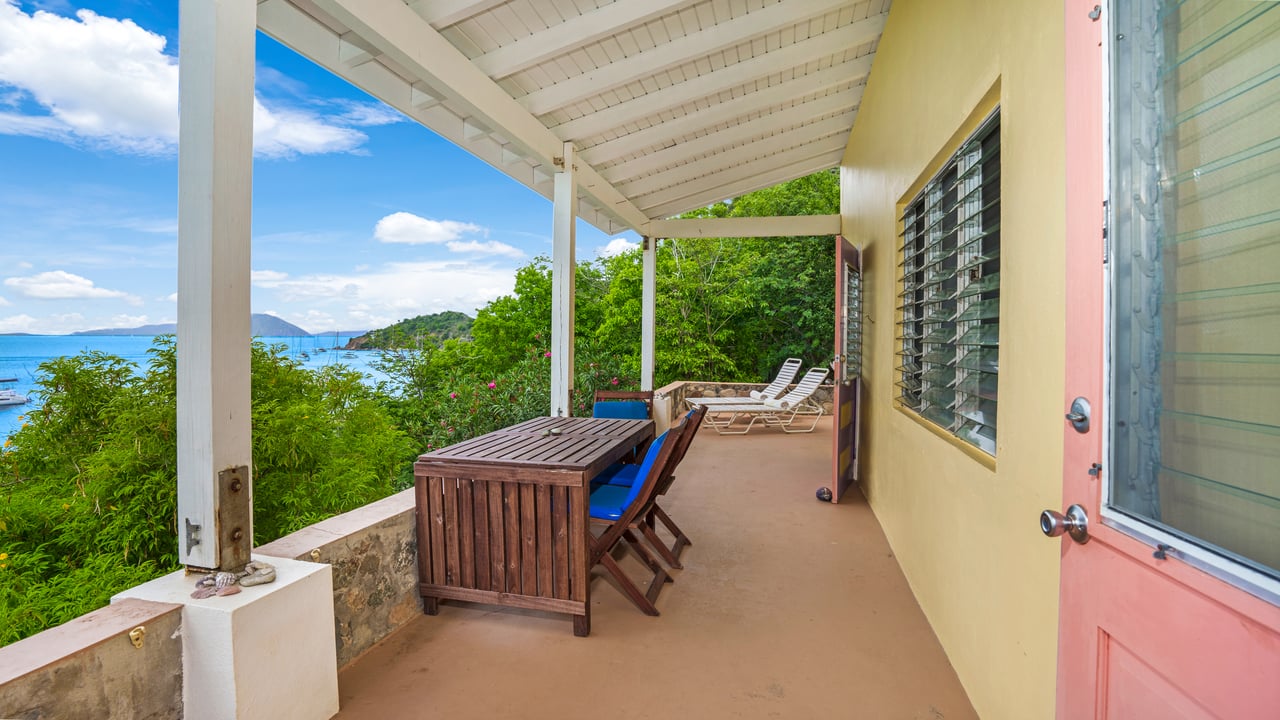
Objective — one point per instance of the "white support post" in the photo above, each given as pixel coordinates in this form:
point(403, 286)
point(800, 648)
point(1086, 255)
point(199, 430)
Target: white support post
point(215, 170)
point(563, 278)
point(648, 291)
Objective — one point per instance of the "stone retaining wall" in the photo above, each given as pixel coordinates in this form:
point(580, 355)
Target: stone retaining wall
point(373, 551)
point(669, 399)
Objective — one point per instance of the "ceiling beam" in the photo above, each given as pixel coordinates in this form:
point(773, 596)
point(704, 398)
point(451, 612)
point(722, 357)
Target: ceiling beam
point(408, 40)
point(768, 147)
point(774, 176)
point(761, 166)
point(742, 227)
point(675, 53)
point(570, 35)
point(844, 103)
point(728, 77)
point(443, 13)
point(669, 132)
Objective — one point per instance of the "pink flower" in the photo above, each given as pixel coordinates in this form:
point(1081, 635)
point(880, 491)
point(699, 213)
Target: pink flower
point(493, 385)
point(548, 354)
point(613, 381)
point(453, 396)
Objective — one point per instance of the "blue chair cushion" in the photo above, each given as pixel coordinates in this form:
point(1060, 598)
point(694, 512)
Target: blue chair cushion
point(621, 410)
point(619, 474)
point(609, 502)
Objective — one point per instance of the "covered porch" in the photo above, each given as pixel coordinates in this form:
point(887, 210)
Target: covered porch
point(786, 607)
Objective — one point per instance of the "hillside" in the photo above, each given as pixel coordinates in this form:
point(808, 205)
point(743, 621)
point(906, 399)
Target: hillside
point(416, 331)
point(261, 325)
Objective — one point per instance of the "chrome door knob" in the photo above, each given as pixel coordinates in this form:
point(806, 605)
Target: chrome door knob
point(1075, 523)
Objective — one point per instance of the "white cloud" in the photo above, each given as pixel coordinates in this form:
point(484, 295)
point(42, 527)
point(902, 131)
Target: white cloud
point(107, 83)
point(616, 246)
point(171, 297)
point(386, 295)
point(24, 265)
point(492, 247)
point(50, 325)
point(128, 321)
point(4, 302)
point(62, 285)
point(18, 323)
point(265, 278)
point(409, 229)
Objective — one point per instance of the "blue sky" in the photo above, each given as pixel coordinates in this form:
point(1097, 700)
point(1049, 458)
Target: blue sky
point(361, 217)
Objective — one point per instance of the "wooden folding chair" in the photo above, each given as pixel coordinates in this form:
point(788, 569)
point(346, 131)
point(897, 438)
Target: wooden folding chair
point(646, 525)
point(622, 509)
point(624, 404)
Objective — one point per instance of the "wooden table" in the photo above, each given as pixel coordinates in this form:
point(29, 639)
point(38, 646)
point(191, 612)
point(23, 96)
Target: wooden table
point(503, 517)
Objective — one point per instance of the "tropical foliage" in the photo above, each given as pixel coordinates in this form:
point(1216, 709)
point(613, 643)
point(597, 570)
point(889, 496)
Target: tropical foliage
point(88, 485)
point(417, 332)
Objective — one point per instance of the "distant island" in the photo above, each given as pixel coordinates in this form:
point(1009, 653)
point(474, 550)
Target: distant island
point(261, 325)
point(415, 332)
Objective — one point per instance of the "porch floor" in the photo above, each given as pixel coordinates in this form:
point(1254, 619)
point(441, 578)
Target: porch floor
point(786, 607)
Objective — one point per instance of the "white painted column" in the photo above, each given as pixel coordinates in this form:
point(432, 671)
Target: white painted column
point(563, 280)
point(648, 291)
point(215, 172)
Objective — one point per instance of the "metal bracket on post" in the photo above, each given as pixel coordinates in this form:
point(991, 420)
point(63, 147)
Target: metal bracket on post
point(235, 518)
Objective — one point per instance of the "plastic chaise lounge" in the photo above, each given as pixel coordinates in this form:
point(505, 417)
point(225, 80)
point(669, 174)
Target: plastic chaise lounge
point(780, 413)
point(786, 374)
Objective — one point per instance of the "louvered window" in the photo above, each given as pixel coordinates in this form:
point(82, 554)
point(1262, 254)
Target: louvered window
point(949, 321)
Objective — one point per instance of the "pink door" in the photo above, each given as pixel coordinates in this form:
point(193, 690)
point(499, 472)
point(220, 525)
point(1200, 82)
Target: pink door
point(847, 399)
point(1168, 609)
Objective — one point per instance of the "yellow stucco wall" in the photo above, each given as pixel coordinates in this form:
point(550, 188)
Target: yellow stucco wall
point(966, 535)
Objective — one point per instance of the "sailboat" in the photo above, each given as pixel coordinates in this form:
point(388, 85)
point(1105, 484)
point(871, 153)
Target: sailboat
point(9, 396)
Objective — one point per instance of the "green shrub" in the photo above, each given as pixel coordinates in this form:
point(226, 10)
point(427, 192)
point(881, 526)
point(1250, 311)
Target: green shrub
point(88, 500)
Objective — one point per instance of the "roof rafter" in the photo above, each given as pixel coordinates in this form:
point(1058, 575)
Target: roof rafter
point(672, 54)
point(672, 130)
point(740, 133)
point(443, 13)
point(570, 35)
point(777, 175)
point(760, 167)
point(797, 137)
point(731, 76)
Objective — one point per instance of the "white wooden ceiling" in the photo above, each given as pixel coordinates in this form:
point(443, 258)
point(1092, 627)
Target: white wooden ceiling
point(671, 105)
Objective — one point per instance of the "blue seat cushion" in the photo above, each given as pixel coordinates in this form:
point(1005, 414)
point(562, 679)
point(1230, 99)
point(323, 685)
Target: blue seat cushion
point(621, 410)
point(620, 474)
point(609, 502)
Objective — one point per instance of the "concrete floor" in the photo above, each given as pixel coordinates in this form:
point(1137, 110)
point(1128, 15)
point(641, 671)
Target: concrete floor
point(787, 607)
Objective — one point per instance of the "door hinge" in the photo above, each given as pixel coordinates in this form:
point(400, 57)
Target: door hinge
point(1095, 469)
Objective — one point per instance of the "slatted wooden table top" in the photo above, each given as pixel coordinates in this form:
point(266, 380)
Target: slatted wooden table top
point(564, 443)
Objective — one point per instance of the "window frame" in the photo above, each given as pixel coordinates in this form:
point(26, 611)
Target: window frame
point(949, 264)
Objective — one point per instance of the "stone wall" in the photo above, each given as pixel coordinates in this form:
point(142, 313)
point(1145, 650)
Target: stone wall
point(89, 667)
point(373, 551)
point(669, 399)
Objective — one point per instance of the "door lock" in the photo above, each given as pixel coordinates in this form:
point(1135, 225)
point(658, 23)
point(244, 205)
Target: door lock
point(1075, 523)
point(1079, 415)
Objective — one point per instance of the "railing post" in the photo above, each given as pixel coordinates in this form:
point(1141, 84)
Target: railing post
point(648, 291)
point(215, 170)
point(563, 280)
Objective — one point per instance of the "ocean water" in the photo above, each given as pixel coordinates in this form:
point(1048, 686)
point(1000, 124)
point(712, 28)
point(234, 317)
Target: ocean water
point(21, 355)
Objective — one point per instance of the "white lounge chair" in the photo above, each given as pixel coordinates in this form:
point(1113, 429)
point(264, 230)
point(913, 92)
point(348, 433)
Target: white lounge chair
point(786, 374)
point(780, 413)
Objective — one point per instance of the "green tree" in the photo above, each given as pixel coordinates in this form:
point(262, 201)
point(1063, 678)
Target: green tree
point(89, 503)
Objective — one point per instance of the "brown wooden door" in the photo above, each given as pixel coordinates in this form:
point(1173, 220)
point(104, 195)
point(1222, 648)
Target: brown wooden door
point(847, 400)
point(1157, 619)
